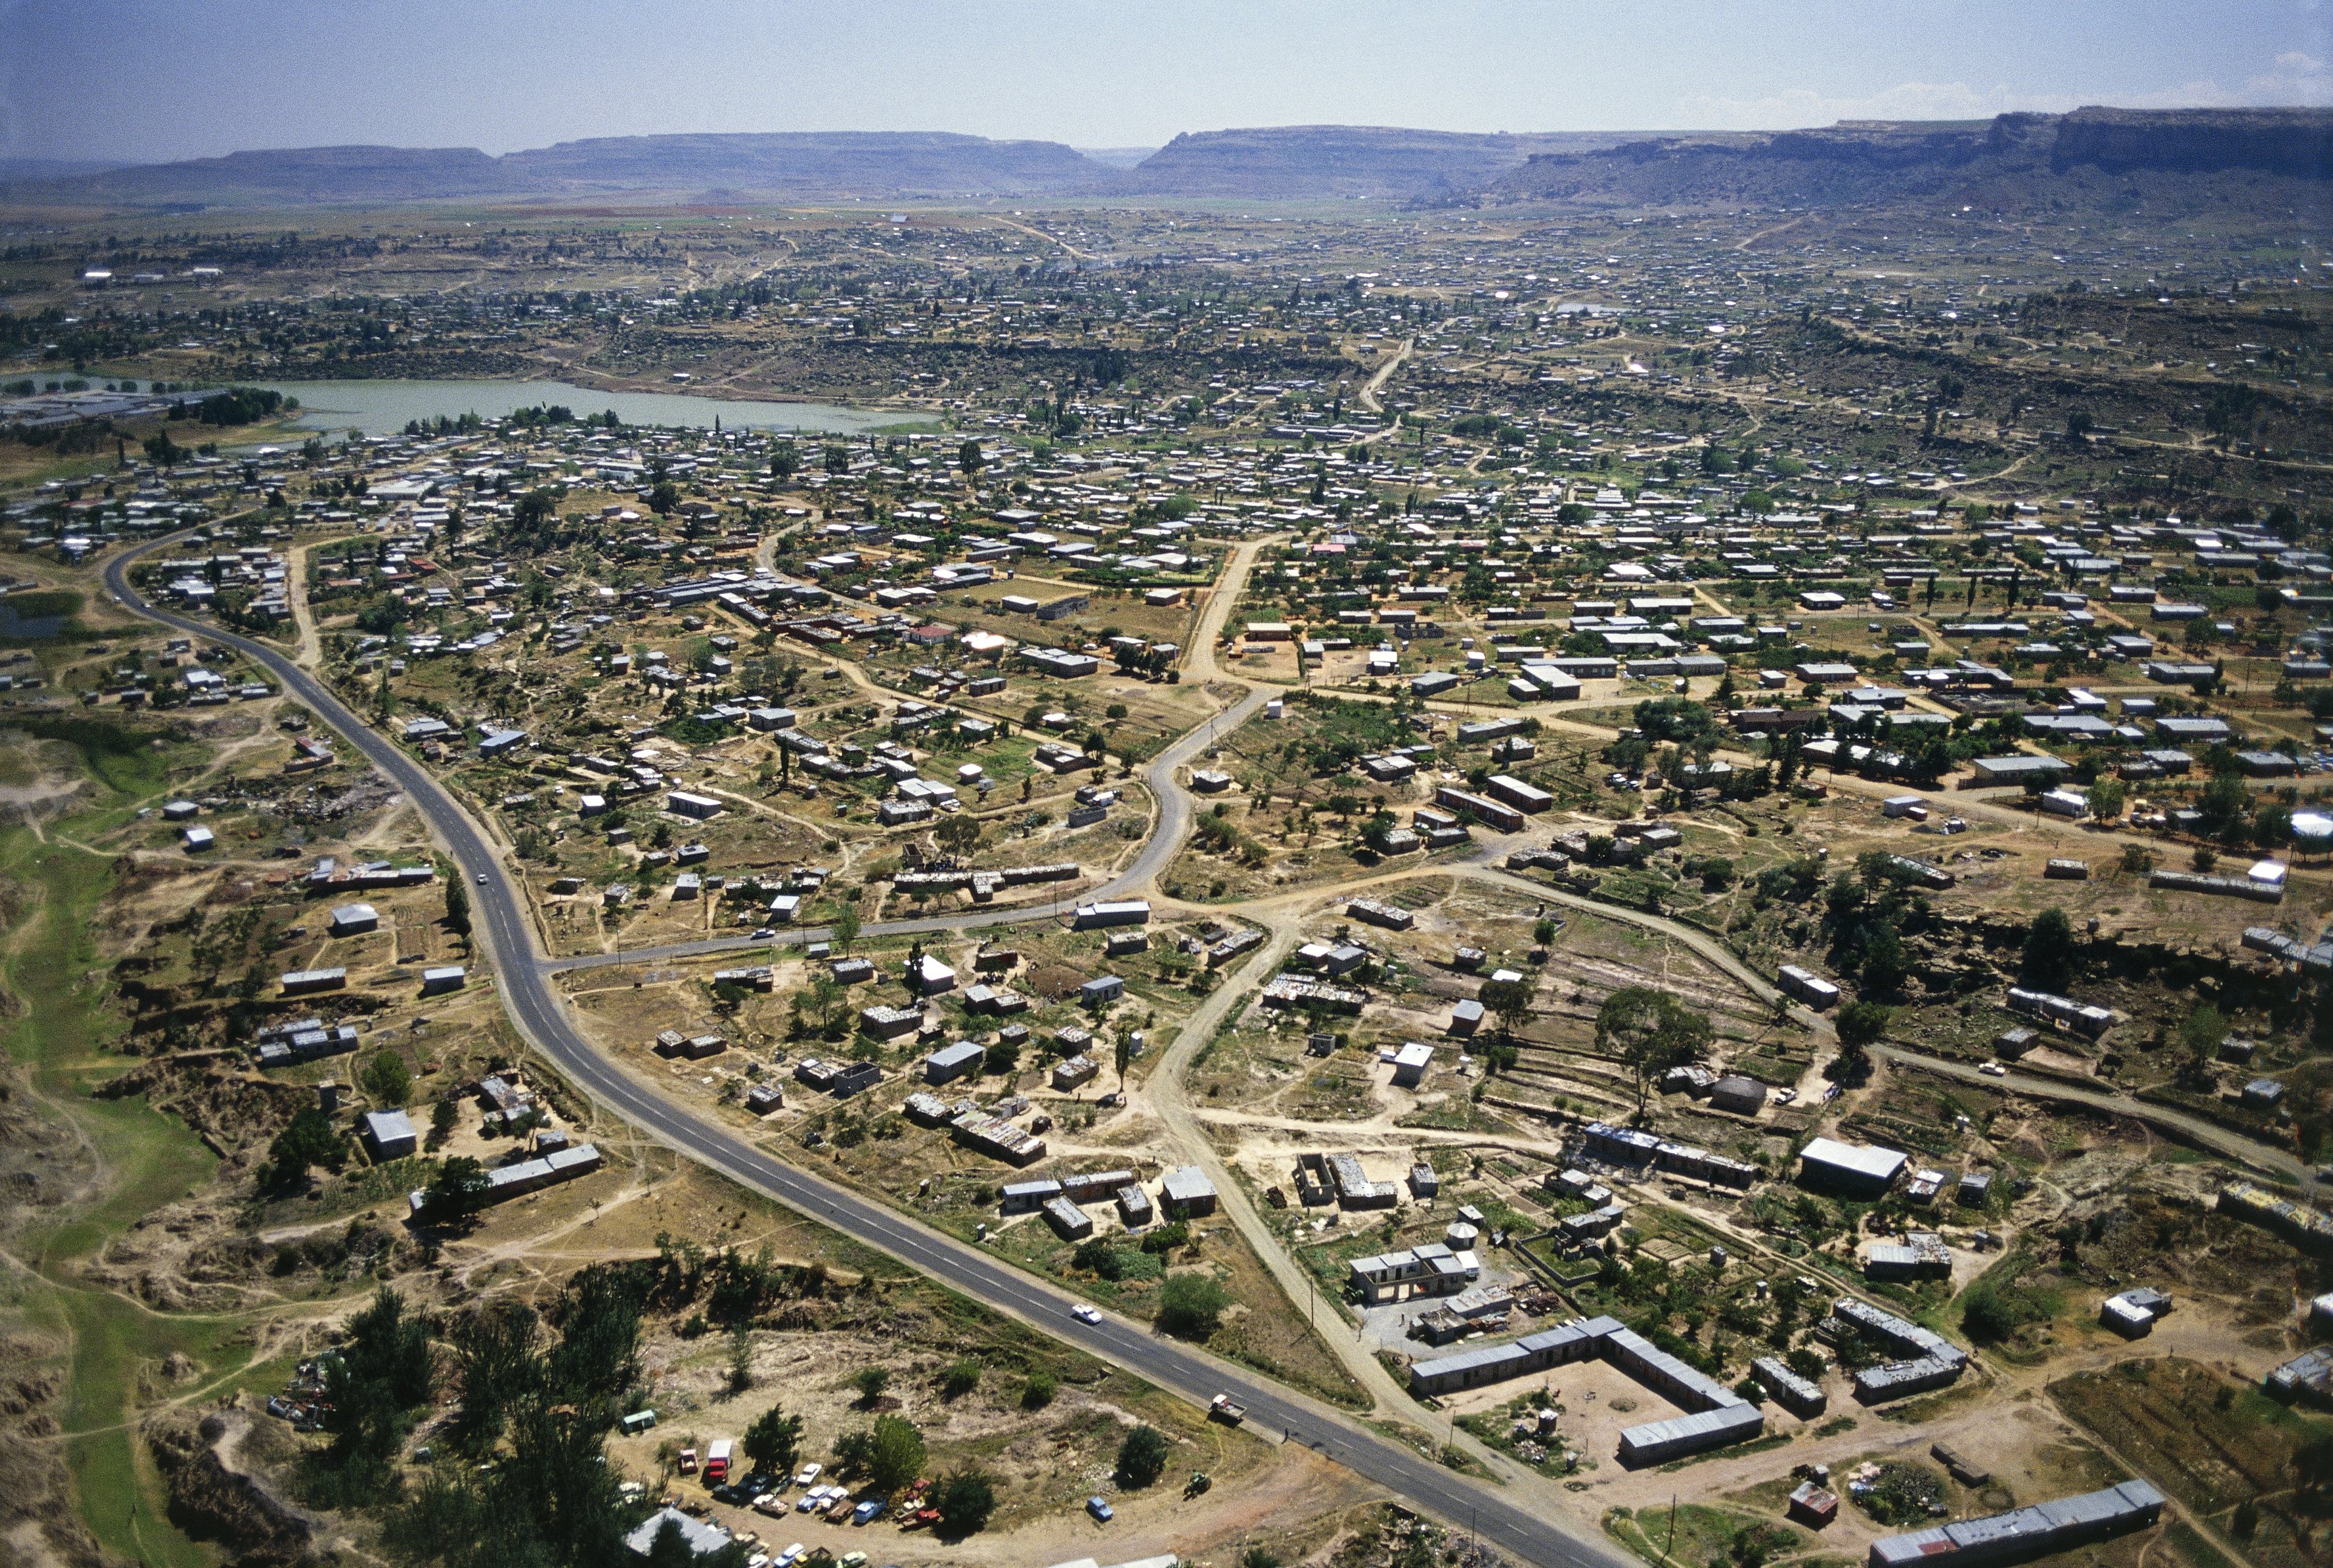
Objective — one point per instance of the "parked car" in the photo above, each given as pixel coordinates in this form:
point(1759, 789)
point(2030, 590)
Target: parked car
point(866, 1513)
point(790, 1555)
point(1101, 1509)
point(808, 1474)
point(773, 1504)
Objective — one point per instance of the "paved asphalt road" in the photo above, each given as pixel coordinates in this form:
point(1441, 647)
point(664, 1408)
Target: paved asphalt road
point(1504, 1522)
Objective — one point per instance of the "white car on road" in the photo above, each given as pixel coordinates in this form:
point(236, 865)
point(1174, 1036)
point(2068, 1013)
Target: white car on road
point(1086, 1312)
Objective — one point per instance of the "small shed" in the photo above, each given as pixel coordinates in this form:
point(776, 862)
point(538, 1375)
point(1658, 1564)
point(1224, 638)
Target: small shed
point(1134, 1207)
point(1187, 1192)
point(1813, 1505)
point(390, 1134)
point(355, 919)
point(950, 1062)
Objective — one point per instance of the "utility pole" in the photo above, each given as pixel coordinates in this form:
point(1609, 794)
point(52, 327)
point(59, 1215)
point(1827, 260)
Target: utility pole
point(1672, 1540)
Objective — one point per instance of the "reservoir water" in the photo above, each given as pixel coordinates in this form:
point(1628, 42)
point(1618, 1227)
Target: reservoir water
point(385, 408)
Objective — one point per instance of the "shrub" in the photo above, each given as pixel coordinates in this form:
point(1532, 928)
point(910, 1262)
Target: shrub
point(1038, 1392)
point(1166, 1238)
point(1142, 1457)
point(889, 1454)
point(960, 1379)
point(1192, 1304)
point(965, 1498)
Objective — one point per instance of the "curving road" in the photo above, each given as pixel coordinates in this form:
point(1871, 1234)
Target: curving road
point(502, 924)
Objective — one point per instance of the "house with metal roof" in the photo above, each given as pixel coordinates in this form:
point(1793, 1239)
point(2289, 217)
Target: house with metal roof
point(1857, 1169)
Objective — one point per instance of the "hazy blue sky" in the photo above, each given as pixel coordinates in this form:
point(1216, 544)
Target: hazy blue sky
point(190, 78)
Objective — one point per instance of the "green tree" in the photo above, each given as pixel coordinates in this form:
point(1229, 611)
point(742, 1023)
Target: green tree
point(1508, 1001)
point(383, 1345)
point(2222, 804)
point(889, 1454)
point(664, 499)
point(1990, 1314)
point(786, 459)
point(1037, 1390)
point(459, 1191)
point(958, 834)
point(1141, 1458)
point(386, 1079)
point(1191, 1305)
point(870, 1382)
point(2050, 953)
point(443, 1116)
point(773, 1441)
point(846, 928)
point(309, 1139)
point(741, 1359)
point(1886, 964)
point(968, 458)
point(1652, 1031)
point(2312, 1461)
point(1862, 1024)
point(2201, 1034)
point(496, 1359)
point(964, 1499)
point(457, 907)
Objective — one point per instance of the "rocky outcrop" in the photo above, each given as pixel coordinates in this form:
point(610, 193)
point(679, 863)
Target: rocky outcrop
point(39, 1520)
point(213, 1501)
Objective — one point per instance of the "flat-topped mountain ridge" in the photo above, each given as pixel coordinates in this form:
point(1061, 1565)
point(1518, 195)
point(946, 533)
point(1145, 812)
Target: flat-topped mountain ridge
point(2012, 157)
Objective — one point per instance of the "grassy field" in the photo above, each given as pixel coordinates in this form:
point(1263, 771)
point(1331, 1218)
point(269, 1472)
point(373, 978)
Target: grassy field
point(2211, 1443)
point(61, 1036)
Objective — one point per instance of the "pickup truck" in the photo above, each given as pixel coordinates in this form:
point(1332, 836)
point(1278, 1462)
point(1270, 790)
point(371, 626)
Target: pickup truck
point(1222, 1408)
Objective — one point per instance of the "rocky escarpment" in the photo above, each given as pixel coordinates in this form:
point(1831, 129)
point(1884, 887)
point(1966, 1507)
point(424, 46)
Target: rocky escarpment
point(2295, 142)
point(2012, 160)
point(1296, 161)
point(213, 1500)
point(39, 1520)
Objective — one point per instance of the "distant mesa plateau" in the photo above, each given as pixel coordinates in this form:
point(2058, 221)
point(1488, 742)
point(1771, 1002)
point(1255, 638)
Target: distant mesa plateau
point(2012, 160)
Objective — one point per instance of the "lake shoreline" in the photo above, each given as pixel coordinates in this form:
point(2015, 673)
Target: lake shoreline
point(386, 406)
